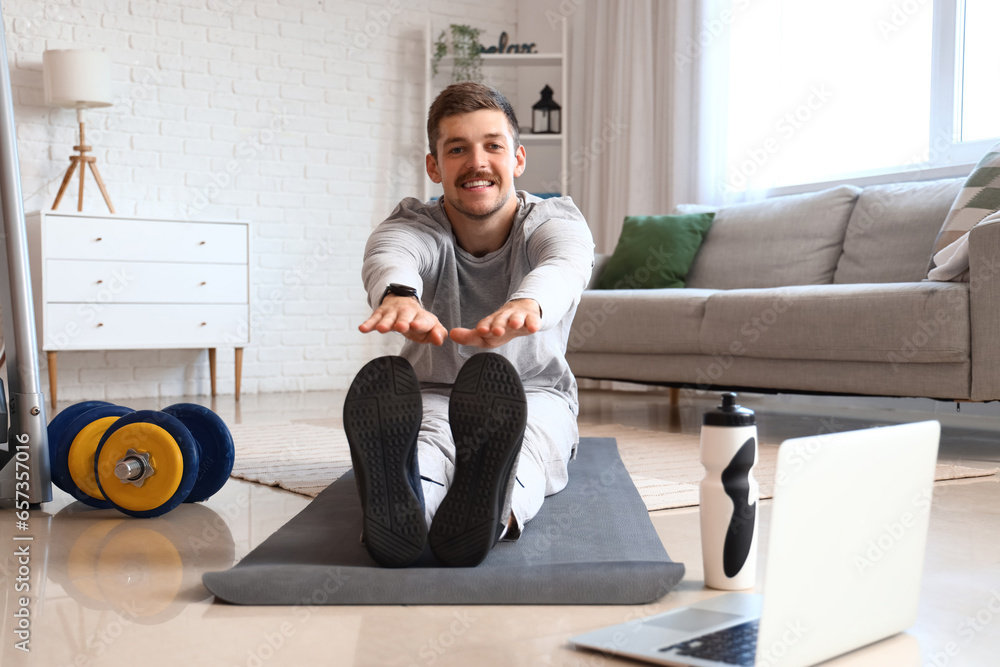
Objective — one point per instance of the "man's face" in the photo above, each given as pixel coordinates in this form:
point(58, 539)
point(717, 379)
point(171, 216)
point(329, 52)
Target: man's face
point(476, 162)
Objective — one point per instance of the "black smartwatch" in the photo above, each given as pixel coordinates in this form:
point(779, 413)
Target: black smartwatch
point(399, 290)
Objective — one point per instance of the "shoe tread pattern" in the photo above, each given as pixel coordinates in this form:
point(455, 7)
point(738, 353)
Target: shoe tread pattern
point(487, 412)
point(382, 414)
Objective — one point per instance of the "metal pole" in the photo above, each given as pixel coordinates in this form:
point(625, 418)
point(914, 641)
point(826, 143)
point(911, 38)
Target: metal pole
point(27, 404)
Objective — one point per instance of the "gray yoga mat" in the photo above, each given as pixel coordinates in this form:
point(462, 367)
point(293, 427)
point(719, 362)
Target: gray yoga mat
point(592, 543)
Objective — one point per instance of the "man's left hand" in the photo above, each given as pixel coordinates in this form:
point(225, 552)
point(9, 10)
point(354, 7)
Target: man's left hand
point(520, 317)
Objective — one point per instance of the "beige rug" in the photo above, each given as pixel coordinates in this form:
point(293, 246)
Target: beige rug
point(306, 456)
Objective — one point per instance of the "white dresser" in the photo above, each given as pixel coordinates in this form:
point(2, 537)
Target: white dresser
point(115, 282)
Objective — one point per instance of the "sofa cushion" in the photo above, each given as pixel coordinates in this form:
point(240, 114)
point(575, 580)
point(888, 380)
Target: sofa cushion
point(655, 252)
point(792, 240)
point(656, 321)
point(892, 323)
point(892, 230)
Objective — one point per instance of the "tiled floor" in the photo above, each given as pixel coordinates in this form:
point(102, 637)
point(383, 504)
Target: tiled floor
point(106, 590)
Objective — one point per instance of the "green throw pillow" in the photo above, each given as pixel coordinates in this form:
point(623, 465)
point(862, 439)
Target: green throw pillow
point(655, 251)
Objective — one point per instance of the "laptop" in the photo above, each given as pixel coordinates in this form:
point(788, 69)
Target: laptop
point(844, 560)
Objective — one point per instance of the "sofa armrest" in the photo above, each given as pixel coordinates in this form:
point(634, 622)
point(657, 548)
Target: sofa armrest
point(600, 260)
point(984, 307)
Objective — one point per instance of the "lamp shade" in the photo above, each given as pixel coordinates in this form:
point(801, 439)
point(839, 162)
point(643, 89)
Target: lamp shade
point(77, 78)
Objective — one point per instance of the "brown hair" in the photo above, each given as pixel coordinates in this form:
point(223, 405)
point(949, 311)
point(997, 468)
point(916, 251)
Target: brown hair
point(467, 97)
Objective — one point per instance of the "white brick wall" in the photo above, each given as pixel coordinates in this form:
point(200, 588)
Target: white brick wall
point(301, 116)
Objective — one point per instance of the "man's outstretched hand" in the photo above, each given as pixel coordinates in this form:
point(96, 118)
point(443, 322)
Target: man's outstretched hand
point(405, 315)
point(520, 317)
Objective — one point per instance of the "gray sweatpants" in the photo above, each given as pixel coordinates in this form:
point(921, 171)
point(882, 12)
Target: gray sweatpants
point(550, 440)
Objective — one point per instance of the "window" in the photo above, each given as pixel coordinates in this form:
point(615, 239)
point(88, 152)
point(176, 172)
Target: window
point(819, 91)
point(980, 96)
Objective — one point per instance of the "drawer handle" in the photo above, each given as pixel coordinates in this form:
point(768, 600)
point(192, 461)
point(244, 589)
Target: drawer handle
point(100, 324)
point(202, 243)
point(99, 282)
point(203, 282)
point(98, 239)
point(204, 323)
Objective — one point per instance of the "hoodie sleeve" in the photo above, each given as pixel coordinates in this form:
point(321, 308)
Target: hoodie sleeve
point(561, 252)
point(398, 251)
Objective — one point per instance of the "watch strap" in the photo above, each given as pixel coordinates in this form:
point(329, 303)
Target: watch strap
point(398, 289)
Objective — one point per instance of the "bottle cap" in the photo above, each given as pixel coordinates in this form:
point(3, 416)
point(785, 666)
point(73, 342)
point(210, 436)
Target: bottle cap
point(730, 414)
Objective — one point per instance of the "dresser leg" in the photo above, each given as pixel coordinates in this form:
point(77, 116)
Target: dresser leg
point(239, 370)
point(211, 367)
point(675, 395)
point(52, 379)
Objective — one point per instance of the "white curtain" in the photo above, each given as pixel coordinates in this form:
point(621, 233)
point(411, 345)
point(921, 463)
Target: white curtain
point(635, 120)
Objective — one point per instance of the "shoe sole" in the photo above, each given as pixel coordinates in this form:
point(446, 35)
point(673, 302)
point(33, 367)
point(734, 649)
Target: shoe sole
point(382, 414)
point(487, 412)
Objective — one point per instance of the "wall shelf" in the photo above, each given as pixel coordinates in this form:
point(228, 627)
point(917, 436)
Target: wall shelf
point(529, 138)
point(511, 59)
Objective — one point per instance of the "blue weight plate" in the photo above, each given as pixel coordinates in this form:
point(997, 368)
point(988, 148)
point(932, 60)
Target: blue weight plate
point(55, 431)
point(215, 444)
point(185, 443)
point(60, 462)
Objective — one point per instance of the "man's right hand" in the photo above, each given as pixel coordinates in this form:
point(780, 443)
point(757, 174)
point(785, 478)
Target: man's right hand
point(405, 315)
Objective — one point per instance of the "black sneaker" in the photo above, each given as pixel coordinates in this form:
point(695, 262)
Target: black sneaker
point(487, 412)
point(382, 416)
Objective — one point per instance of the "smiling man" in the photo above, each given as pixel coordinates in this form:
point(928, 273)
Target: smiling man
point(452, 447)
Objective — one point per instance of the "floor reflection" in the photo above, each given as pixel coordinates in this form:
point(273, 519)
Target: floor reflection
point(145, 570)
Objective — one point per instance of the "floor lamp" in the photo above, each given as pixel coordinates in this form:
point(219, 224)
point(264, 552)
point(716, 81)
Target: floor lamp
point(78, 79)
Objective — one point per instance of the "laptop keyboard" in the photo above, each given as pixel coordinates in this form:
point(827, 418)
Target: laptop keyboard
point(736, 645)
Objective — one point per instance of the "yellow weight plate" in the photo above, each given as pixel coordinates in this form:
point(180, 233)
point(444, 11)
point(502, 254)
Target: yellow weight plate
point(140, 569)
point(164, 455)
point(81, 455)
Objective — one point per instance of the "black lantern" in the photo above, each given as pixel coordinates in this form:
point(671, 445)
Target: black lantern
point(545, 115)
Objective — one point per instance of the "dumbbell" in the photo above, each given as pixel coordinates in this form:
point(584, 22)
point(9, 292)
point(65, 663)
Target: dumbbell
point(143, 463)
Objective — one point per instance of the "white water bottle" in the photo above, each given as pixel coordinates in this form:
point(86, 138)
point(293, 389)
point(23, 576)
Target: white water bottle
point(729, 495)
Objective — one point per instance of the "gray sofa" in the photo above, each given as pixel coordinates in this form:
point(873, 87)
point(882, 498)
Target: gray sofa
point(818, 293)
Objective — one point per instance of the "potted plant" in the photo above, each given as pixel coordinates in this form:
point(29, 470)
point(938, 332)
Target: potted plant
point(466, 48)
